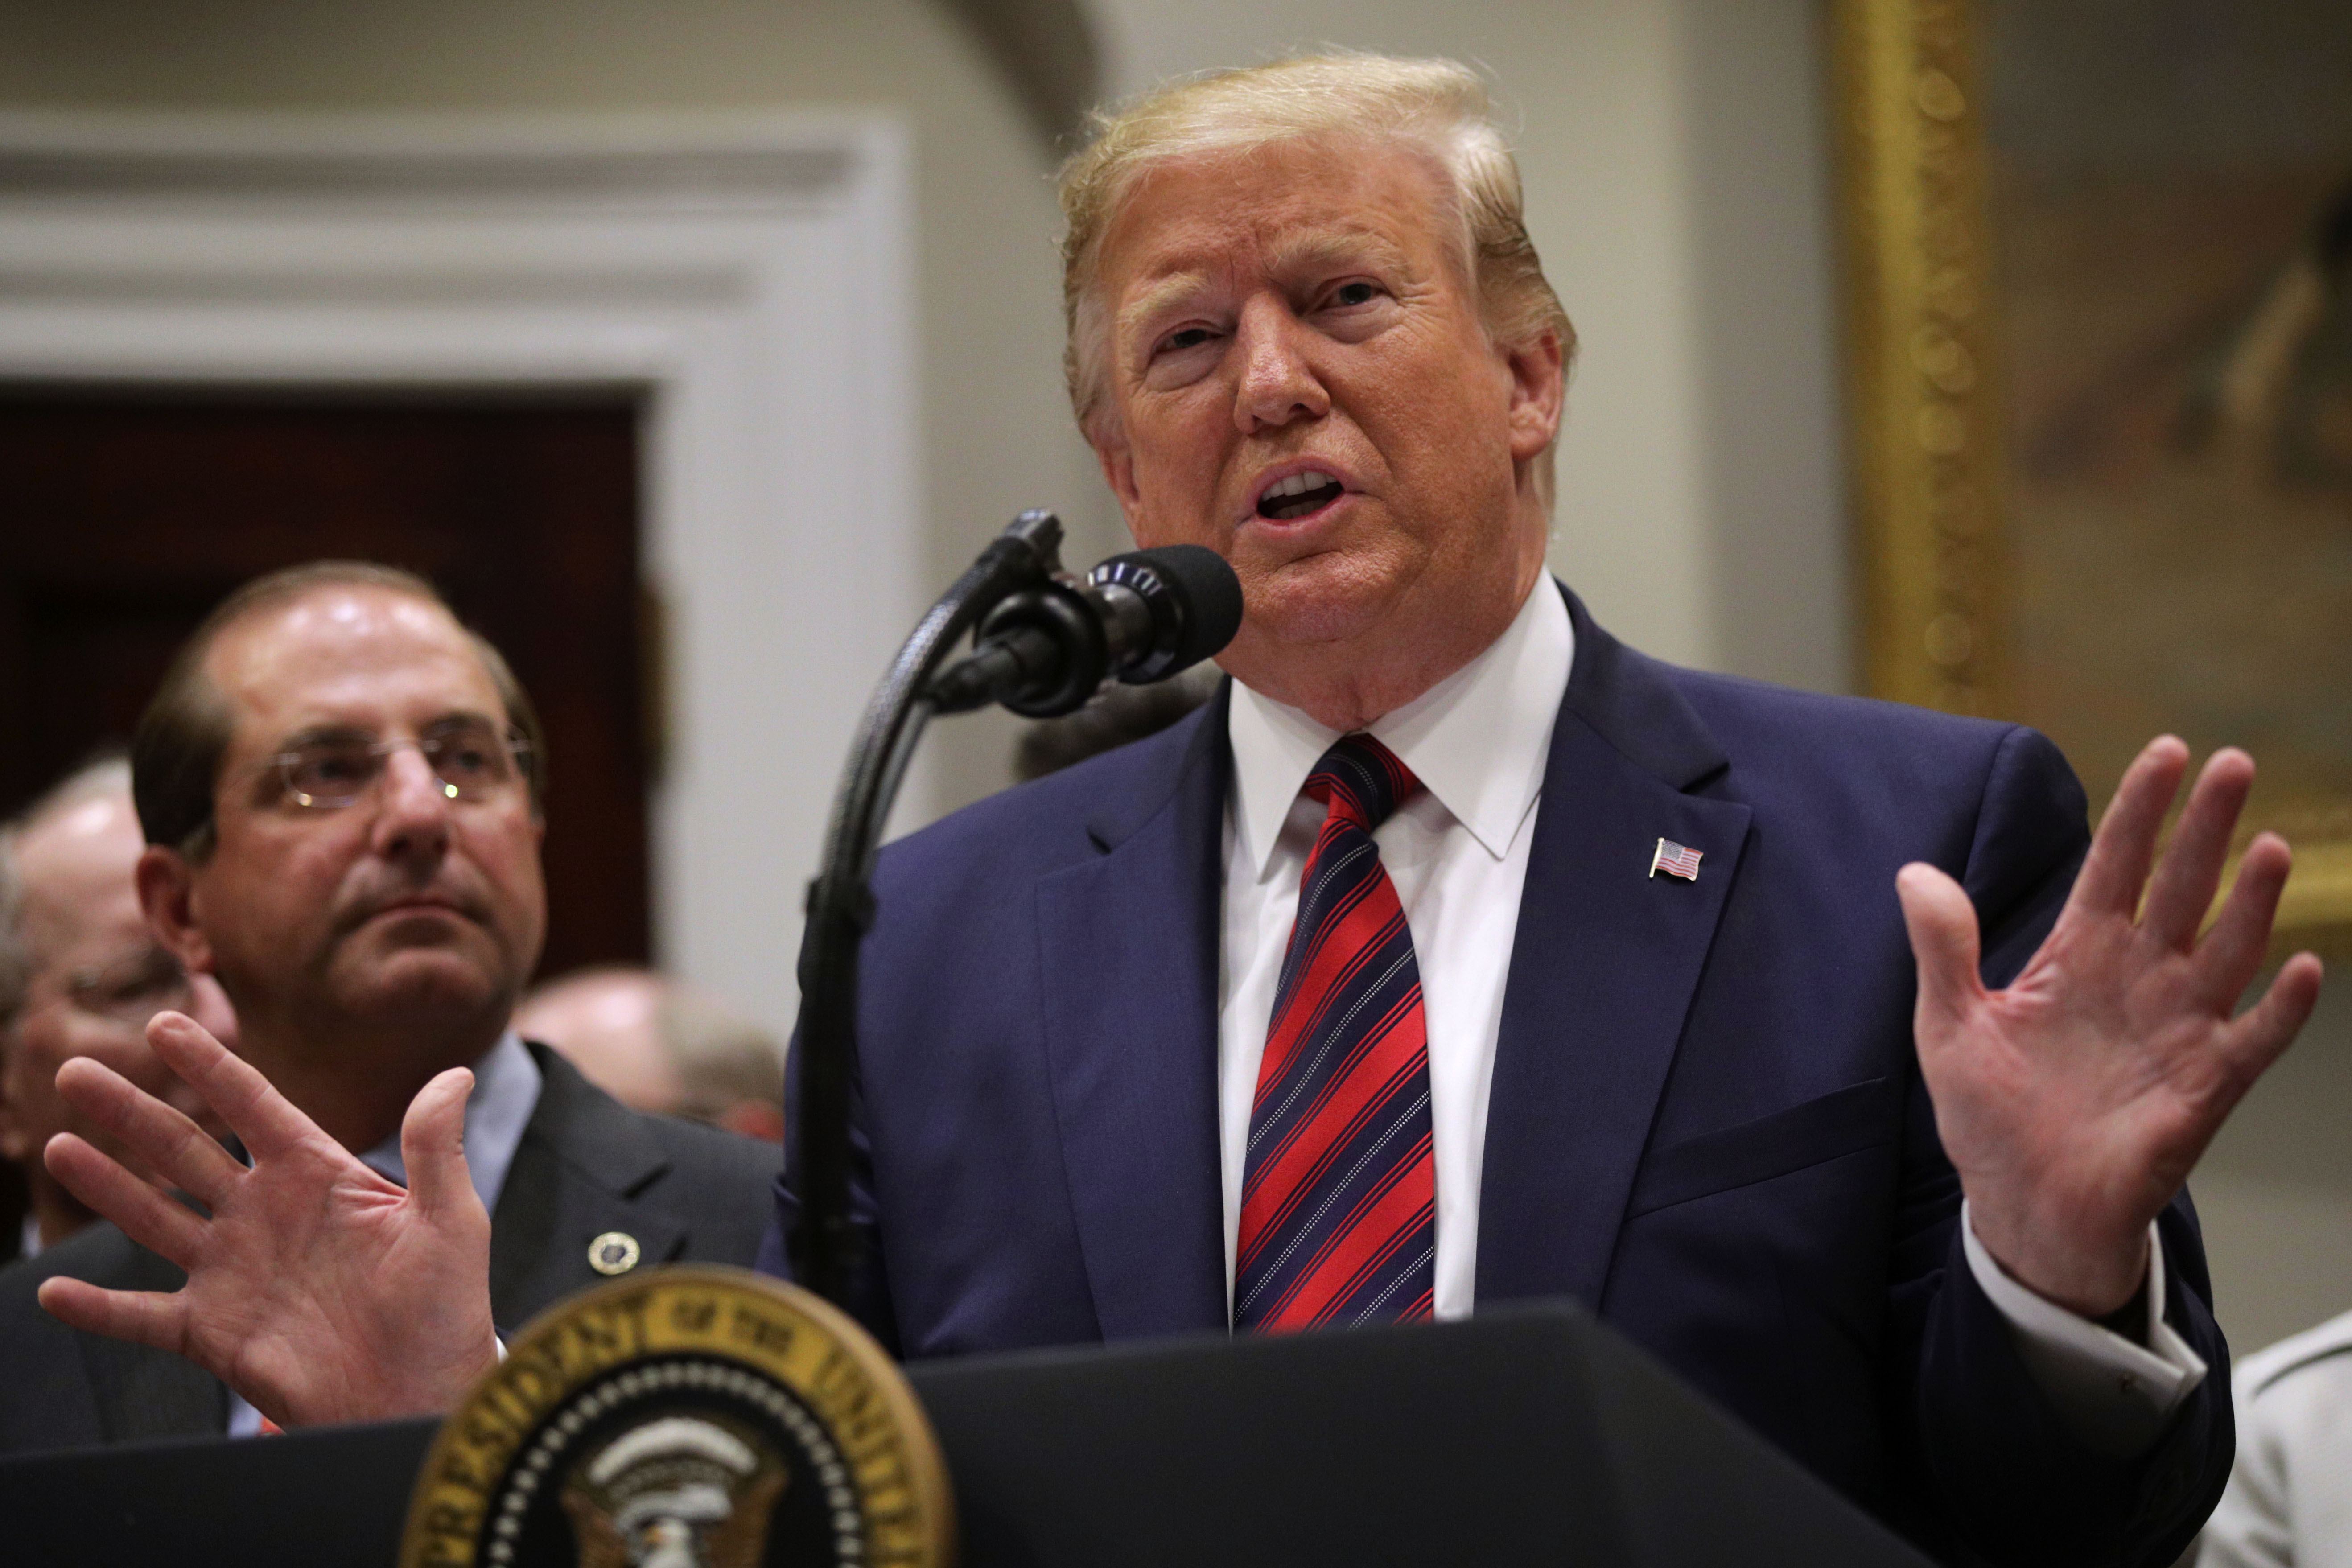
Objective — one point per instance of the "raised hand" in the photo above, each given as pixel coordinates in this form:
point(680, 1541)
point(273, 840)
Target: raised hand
point(2074, 1102)
point(317, 1289)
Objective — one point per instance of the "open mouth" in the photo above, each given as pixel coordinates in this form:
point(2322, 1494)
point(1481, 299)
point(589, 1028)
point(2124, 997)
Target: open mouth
point(1298, 495)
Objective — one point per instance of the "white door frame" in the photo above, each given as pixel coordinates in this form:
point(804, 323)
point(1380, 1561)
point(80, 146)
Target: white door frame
point(749, 278)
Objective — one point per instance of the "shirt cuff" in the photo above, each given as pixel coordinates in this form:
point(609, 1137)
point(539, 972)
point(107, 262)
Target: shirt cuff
point(2115, 1396)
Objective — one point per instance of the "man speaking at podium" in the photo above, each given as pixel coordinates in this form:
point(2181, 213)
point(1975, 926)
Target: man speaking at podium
point(1459, 954)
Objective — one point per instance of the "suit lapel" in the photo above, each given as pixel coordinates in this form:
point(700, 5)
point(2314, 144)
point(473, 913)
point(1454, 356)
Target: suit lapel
point(1131, 1025)
point(1603, 971)
point(581, 1161)
point(144, 1394)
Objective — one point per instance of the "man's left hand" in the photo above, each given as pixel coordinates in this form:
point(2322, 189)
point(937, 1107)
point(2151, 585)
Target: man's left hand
point(2074, 1102)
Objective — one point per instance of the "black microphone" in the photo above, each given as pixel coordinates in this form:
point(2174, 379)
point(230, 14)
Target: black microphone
point(1139, 618)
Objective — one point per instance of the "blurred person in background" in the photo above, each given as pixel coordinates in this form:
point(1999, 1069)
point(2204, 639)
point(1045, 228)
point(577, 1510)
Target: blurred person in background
point(656, 1045)
point(2289, 1503)
point(340, 788)
point(80, 974)
point(1118, 716)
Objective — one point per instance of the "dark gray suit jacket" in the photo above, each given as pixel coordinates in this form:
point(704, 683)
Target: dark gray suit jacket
point(586, 1165)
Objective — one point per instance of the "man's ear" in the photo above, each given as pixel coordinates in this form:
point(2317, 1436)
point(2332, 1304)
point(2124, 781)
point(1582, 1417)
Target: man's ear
point(1538, 390)
point(167, 896)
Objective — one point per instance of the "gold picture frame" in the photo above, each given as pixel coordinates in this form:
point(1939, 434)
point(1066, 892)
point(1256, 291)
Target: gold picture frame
point(1929, 428)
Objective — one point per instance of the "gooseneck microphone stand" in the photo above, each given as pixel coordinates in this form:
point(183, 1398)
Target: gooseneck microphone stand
point(823, 1245)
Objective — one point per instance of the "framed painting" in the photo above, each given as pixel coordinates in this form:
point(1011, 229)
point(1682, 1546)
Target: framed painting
point(2098, 277)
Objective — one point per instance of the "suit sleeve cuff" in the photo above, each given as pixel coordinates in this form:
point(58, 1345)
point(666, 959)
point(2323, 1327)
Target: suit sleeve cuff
point(2115, 1396)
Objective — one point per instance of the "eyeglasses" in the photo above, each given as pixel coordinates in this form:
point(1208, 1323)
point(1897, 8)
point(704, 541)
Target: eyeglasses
point(472, 761)
point(130, 990)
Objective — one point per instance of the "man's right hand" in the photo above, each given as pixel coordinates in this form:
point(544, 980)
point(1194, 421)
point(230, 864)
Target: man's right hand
point(316, 1288)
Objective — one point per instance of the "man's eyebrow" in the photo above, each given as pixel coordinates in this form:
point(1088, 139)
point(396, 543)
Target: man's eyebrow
point(338, 734)
point(1328, 249)
point(1305, 253)
point(326, 734)
point(1158, 297)
point(456, 716)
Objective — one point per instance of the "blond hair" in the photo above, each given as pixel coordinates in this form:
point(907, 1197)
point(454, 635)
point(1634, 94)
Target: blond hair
point(1435, 107)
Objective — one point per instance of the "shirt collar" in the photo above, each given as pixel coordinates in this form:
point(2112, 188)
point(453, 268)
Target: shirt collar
point(1477, 739)
point(506, 1092)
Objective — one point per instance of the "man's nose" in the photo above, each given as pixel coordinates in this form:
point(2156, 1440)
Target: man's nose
point(413, 814)
point(1277, 383)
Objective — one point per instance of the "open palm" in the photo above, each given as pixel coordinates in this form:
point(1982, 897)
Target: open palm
point(2074, 1102)
point(316, 1288)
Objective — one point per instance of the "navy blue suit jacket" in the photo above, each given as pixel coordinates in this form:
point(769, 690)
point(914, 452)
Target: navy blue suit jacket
point(1707, 1122)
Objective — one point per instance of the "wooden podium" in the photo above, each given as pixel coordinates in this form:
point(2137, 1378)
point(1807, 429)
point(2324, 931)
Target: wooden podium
point(1526, 1435)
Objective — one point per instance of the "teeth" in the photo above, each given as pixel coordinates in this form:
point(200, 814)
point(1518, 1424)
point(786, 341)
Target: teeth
point(1299, 484)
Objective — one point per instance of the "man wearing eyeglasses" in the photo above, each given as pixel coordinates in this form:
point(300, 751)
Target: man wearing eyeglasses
point(340, 791)
point(80, 974)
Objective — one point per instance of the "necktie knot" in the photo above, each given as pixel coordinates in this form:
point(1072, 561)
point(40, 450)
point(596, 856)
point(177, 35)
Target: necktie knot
point(1361, 781)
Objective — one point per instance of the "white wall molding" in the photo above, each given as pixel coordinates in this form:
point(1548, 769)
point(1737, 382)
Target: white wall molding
point(748, 275)
point(698, 162)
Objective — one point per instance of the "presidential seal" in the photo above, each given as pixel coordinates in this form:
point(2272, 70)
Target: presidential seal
point(685, 1418)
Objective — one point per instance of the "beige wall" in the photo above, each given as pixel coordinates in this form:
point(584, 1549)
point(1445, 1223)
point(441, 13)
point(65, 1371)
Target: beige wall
point(2276, 1190)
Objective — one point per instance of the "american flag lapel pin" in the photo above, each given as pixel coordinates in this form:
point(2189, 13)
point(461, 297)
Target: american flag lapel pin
point(1676, 861)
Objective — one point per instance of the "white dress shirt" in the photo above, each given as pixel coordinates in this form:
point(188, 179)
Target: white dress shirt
point(1457, 852)
point(506, 1092)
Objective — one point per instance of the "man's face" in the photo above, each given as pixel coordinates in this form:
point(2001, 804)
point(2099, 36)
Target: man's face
point(1298, 317)
point(406, 904)
point(98, 975)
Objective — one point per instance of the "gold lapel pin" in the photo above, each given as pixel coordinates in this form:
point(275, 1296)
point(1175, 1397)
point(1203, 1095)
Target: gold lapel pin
point(614, 1252)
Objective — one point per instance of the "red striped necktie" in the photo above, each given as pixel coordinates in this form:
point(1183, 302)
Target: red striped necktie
point(1339, 1196)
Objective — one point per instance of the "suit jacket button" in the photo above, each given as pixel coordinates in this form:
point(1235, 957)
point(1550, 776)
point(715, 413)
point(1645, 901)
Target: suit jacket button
point(614, 1252)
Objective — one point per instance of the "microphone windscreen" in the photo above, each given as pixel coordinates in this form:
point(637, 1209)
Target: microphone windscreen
point(1207, 593)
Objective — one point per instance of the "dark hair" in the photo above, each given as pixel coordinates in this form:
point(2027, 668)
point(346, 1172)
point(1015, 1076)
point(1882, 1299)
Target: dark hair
point(175, 752)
